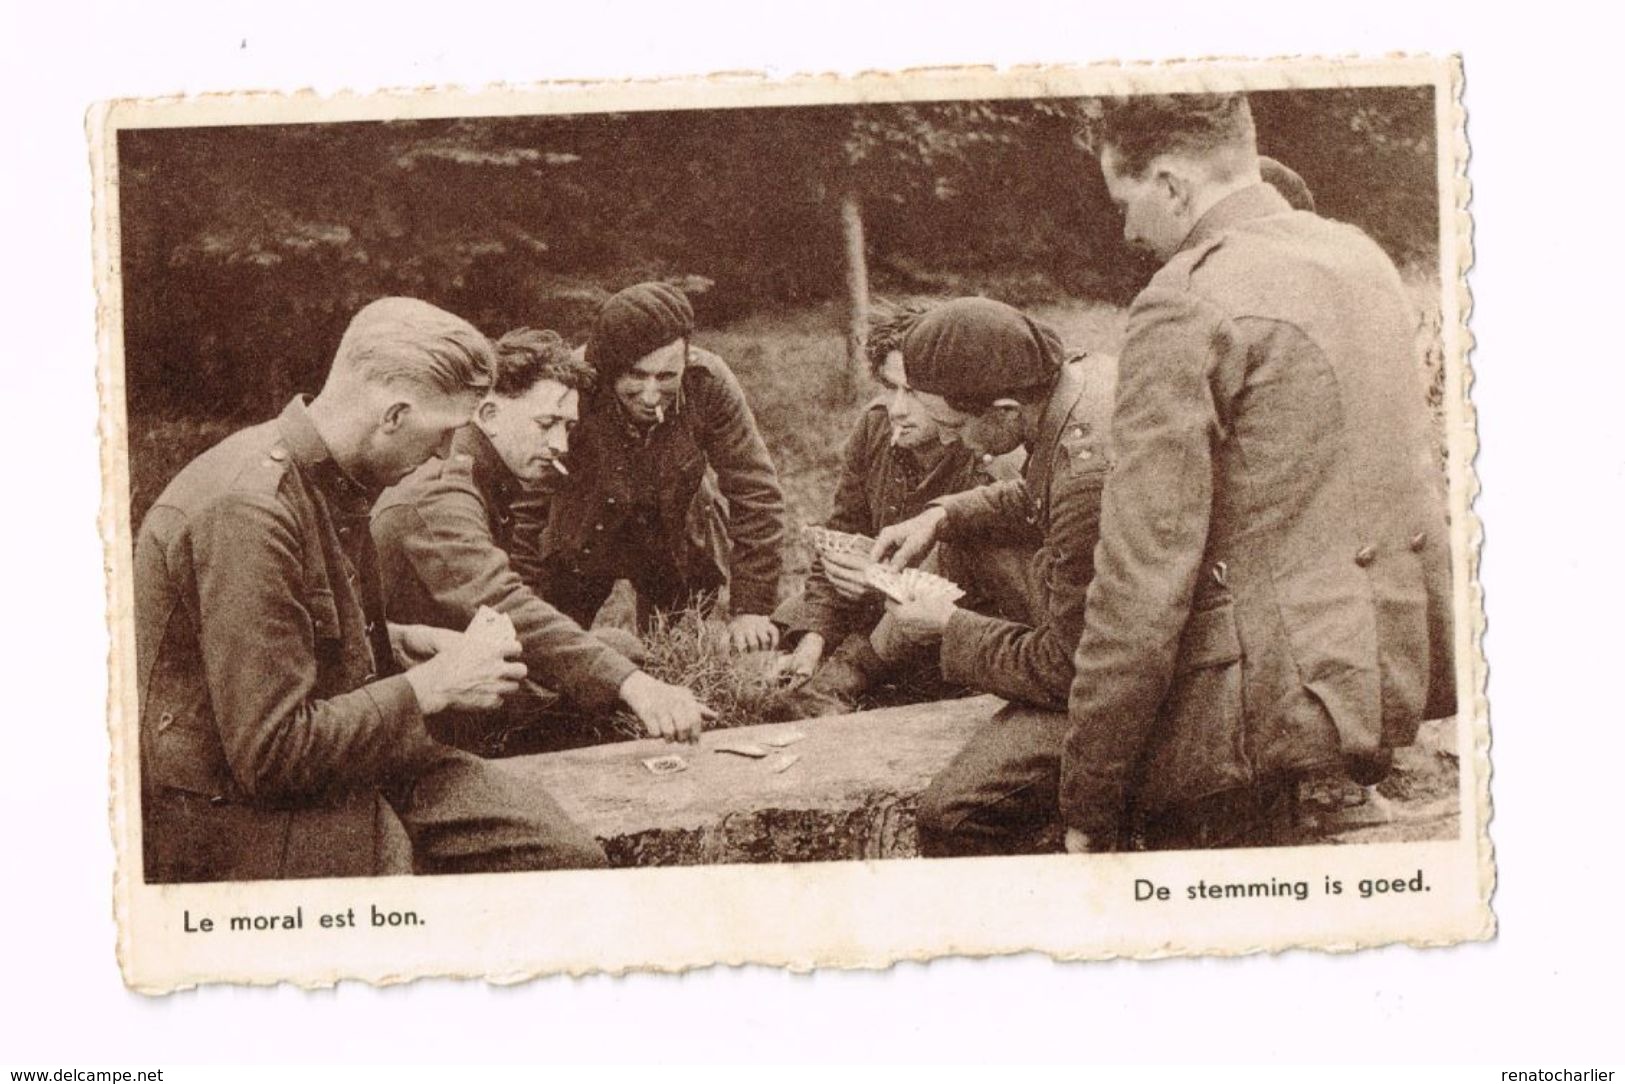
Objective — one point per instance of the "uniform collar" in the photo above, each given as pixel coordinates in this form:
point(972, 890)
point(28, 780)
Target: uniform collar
point(307, 448)
point(1069, 388)
point(491, 475)
point(1255, 201)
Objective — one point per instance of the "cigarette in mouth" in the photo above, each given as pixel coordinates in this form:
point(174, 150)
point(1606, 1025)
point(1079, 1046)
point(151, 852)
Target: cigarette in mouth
point(559, 467)
point(660, 414)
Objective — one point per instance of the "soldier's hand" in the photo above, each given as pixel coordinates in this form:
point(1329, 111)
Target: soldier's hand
point(412, 644)
point(753, 632)
point(922, 620)
point(903, 544)
point(795, 667)
point(666, 711)
point(845, 572)
point(468, 673)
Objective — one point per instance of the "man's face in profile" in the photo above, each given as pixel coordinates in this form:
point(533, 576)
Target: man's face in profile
point(1153, 209)
point(416, 424)
point(531, 431)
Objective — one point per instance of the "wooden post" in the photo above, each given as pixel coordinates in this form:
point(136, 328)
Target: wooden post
point(857, 286)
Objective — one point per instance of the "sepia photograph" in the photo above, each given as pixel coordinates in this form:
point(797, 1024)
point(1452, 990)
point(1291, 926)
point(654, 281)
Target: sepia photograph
point(829, 488)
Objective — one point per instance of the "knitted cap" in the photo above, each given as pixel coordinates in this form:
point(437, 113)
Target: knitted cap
point(632, 323)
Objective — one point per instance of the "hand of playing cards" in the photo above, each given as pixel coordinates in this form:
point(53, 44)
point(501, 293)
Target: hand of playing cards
point(474, 671)
point(845, 559)
point(913, 585)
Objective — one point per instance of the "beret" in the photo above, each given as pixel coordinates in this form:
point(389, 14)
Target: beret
point(634, 322)
point(976, 348)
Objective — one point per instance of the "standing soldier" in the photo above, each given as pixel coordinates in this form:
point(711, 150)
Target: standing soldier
point(279, 712)
point(995, 378)
point(444, 533)
point(1271, 599)
point(639, 504)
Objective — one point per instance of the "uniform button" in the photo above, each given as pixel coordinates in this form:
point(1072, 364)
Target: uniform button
point(165, 720)
point(1221, 574)
point(1086, 454)
point(217, 799)
point(609, 500)
point(278, 454)
point(1418, 540)
point(1365, 556)
point(597, 526)
point(586, 549)
point(372, 627)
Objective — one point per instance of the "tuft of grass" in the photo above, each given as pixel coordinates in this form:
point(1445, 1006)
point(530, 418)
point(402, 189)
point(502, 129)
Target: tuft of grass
point(688, 649)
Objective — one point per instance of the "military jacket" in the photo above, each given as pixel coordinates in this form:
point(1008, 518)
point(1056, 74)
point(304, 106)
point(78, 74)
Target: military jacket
point(271, 709)
point(730, 530)
point(443, 535)
point(1271, 593)
point(1054, 505)
point(879, 485)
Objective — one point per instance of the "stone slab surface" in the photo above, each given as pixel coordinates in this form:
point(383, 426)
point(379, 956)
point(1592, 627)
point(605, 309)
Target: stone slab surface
point(853, 790)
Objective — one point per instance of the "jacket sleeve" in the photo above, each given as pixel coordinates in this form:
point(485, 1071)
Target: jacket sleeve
point(446, 543)
point(987, 509)
point(745, 475)
point(1154, 525)
point(530, 512)
point(1032, 664)
point(822, 609)
point(257, 638)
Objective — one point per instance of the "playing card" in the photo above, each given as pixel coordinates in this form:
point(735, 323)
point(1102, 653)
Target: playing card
point(743, 749)
point(670, 764)
point(488, 624)
point(783, 738)
point(911, 583)
point(783, 761)
point(830, 542)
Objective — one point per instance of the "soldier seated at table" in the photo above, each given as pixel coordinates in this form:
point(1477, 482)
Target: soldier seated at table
point(282, 719)
point(995, 379)
point(897, 459)
point(670, 484)
point(444, 533)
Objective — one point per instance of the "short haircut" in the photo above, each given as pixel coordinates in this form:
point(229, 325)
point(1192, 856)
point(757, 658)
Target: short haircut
point(404, 339)
point(889, 322)
point(1215, 128)
point(526, 357)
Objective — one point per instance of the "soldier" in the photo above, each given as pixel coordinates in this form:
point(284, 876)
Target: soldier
point(276, 716)
point(995, 379)
point(639, 505)
point(895, 461)
point(1271, 600)
point(443, 536)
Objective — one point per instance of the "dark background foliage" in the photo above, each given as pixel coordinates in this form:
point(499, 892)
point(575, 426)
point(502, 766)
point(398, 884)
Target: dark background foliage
point(246, 249)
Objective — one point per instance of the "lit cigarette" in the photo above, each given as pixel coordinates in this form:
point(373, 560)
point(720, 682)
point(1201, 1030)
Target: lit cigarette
point(660, 414)
point(559, 467)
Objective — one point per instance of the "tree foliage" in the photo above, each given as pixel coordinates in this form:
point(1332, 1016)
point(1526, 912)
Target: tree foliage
point(246, 249)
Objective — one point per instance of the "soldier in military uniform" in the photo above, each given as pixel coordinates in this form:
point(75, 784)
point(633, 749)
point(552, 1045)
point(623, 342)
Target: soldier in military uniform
point(995, 378)
point(1271, 598)
point(282, 719)
point(895, 462)
point(443, 536)
point(641, 503)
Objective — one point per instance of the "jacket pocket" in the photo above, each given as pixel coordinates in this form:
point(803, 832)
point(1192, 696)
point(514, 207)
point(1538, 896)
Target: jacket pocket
point(190, 758)
point(1200, 743)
